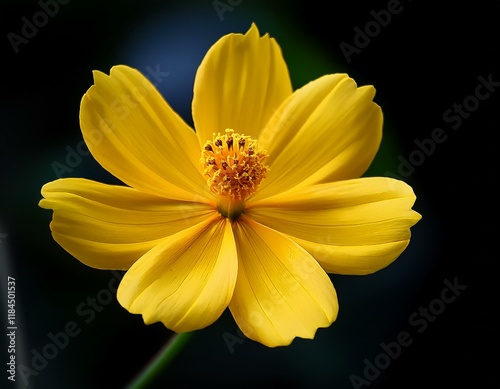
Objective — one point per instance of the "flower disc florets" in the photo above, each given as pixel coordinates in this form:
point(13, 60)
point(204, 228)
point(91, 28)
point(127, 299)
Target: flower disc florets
point(233, 164)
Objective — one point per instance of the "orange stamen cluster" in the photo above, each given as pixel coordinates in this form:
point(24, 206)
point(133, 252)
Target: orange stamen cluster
point(233, 164)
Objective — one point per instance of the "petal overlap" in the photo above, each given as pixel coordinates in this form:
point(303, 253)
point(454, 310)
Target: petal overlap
point(351, 227)
point(111, 226)
point(328, 130)
point(282, 292)
point(135, 135)
point(187, 281)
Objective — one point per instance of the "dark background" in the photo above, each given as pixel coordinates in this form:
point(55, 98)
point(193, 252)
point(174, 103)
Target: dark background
point(427, 58)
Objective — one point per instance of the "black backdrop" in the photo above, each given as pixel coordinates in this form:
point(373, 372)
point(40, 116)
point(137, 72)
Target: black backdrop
point(426, 61)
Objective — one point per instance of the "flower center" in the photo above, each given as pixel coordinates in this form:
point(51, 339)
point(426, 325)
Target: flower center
point(234, 167)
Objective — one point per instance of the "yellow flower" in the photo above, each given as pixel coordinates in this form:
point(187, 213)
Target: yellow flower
point(250, 211)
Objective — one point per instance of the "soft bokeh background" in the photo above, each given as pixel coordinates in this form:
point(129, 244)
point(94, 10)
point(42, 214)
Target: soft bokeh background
point(425, 60)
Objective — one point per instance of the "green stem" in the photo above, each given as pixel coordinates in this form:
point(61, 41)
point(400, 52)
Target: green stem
point(160, 361)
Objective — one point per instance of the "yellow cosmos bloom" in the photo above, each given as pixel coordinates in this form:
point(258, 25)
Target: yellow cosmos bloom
point(249, 211)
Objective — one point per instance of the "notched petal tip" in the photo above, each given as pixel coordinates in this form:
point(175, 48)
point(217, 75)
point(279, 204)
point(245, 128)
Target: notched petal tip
point(98, 77)
point(98, 74)
point(253, 30)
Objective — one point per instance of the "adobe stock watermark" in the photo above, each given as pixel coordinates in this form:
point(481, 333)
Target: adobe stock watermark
point(122, 106)
point(419, 321)
point(56, 342)
point(454, 118)
point(11, 329)
point(221, 7)
point(363, 36)
point(32, 25)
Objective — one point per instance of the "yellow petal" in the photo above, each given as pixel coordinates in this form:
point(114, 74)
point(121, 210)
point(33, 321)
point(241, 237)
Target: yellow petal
point(241, 81)
point(134, 134)
point(354, 260)
point(355, 226)
point(187, 281)
point(282, 292)
point(110, 227)
point(326, 131)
